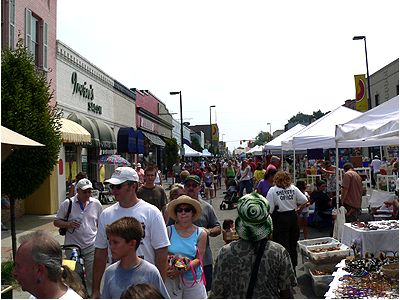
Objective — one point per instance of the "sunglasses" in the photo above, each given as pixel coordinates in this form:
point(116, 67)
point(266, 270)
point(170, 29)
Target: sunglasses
point(185, 209)
point(116, 186)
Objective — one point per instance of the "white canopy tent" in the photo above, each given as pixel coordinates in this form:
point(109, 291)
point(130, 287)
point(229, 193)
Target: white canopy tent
point(276, 143)
point(378, 126)
point(189, 152)
point(206, 153)
point(256, 150)
point(320, 133)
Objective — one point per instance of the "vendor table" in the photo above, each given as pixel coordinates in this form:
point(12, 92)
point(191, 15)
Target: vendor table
point(372, 241)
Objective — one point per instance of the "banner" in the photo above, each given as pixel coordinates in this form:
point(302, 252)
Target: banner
point(361, 93)
point(215, 132)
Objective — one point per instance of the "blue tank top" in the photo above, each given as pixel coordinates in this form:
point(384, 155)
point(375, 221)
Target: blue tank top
point(185, 247)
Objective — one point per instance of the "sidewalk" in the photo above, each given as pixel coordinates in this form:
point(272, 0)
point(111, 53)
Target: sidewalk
point(24, 225)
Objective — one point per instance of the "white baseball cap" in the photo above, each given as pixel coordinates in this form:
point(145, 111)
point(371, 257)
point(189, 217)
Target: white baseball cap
point(122, 174)
point(84, 184)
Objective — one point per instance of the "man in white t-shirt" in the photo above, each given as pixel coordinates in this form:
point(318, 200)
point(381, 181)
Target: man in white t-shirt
point(154, 246)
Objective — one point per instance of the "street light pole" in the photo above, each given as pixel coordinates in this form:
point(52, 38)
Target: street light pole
point(211, 145)
point(180, 108)
point(363, 37)
point(270, 131)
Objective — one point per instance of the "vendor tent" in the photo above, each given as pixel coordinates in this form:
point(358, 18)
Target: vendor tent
point(320, 133)
point(206, 153)
point(256, 150)
point(189, 152)
point(376, 127)
point(276, 143)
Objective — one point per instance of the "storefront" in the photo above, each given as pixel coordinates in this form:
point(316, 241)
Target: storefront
point(99, 104)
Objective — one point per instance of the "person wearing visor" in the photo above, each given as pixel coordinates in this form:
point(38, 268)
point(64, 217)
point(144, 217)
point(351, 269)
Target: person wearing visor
point(154, 245)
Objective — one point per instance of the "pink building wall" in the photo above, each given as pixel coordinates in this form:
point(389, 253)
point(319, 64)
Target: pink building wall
point(46, 10)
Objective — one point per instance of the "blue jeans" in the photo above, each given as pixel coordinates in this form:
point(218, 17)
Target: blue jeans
point(245, 184)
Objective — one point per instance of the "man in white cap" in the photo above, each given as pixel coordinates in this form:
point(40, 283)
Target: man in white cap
point(81, 224)
point(154, 245)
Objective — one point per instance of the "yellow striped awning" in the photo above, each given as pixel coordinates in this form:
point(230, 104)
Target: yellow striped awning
point(72, 132)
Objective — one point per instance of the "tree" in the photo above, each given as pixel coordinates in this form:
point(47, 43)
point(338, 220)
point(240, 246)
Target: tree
point(25, 96)
point(301, 118)
point(171, 151)
point(262, 138)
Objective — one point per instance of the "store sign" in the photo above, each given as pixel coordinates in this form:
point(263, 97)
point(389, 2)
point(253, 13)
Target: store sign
point(144, 123)
point(86, 92)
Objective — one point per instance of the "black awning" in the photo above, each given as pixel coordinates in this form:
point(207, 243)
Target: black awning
point(89, 125)
point(106, 135)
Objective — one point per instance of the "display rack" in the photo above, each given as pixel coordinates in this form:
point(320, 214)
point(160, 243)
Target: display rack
point(312, 179)
point(386, 183)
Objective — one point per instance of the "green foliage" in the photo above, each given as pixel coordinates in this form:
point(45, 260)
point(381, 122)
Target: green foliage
point(171, 151)
point(301, 118)
point(25, 96)
point(6, 273)
point(196, 145)
point(262, 138)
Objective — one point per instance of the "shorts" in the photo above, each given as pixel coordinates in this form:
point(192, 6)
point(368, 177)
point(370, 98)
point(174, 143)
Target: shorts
point(208, 184)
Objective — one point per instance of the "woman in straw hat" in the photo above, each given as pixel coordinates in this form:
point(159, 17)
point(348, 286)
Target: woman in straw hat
point(185, 276)
point(253, 266)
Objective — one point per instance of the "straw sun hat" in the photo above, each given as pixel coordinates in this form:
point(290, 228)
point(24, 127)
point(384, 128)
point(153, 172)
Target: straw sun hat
point(171, 207)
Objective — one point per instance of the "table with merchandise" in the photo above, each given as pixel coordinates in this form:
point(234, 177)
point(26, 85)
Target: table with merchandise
point(372, 237)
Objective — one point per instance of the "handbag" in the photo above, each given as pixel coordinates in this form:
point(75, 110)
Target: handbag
point(256, 267)
point(63, 231)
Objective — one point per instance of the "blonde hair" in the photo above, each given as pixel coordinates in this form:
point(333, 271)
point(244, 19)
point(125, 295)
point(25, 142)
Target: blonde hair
point(141, 291)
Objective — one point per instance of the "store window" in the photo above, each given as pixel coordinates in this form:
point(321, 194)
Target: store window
point(11, 24)
point(71, 168)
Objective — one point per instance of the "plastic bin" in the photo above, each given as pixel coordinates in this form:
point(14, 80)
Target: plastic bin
point(303, 244)
point(330, 256)
point(320, 283)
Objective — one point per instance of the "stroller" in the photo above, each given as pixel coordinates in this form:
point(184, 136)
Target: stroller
point(231, 195)
point(78, 266)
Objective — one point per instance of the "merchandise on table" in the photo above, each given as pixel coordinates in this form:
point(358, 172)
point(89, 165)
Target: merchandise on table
point(365, 278)
point(376, 225)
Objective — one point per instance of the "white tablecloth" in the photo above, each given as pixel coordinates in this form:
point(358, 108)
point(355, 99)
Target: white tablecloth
point(372, 241)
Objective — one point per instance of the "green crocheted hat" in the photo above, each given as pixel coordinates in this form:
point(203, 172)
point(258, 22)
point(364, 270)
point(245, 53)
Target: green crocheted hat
point(253, 222)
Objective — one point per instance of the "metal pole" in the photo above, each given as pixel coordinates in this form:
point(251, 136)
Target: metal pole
point(211, 131)
point(180, 107)
point(369, 85)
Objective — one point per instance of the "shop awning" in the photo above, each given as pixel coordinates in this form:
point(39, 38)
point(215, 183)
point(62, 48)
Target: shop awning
point(154, 139)
point(126, 140)
point(72, 132)
point(106, 135)
point(140, 141)
point(88, 125)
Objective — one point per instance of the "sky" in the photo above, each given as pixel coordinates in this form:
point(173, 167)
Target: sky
point(258, 62)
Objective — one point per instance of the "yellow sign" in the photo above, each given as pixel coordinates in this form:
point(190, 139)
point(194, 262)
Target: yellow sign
point(361, 93)
point(215, 132)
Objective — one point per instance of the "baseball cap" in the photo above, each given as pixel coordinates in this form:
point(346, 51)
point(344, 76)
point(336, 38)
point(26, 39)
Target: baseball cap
point(122, 174)
point(193, 178)
point(138, 165)
point(254, 222)
point(84, 184)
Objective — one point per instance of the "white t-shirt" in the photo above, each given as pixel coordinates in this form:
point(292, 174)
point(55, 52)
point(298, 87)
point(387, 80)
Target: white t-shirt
point(376, 164)
point(85, 235)
point(155, 231)
point(286, 199)
point(70, 294)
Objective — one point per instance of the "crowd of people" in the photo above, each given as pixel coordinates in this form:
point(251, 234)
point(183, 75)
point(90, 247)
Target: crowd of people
point(151, 244)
